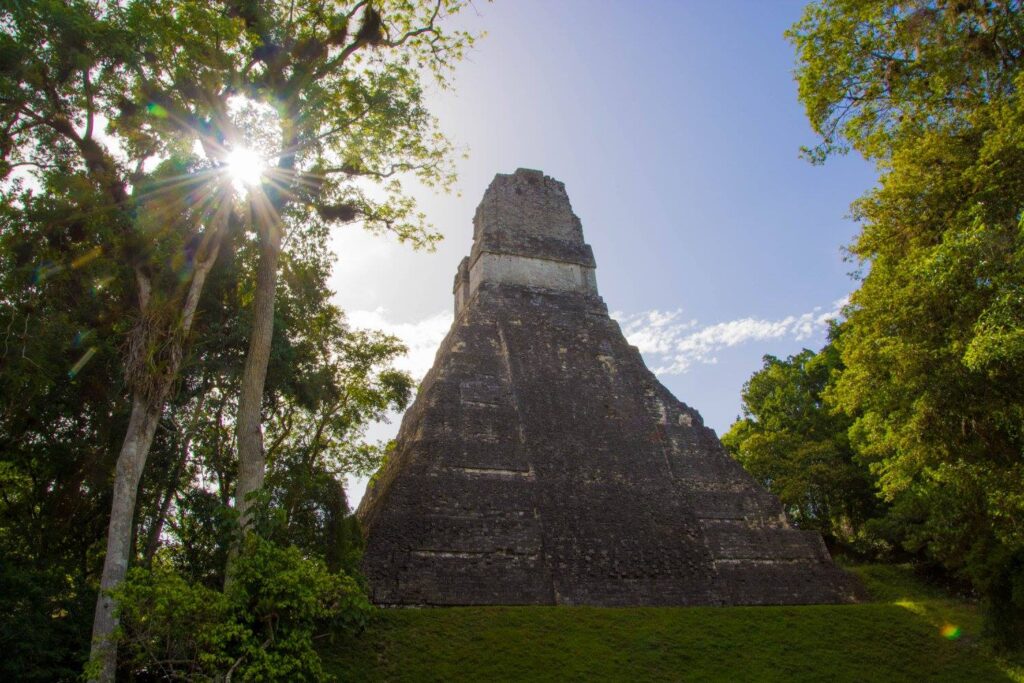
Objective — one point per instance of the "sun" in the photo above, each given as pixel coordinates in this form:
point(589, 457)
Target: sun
point(245, 167)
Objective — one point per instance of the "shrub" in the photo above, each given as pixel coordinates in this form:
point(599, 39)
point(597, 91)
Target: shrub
point(262, 629)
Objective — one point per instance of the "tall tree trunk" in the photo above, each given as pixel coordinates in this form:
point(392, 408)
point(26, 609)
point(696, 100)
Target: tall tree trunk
point(249, 432)
point(269, 205)
point(130, 462)
point(147, 406)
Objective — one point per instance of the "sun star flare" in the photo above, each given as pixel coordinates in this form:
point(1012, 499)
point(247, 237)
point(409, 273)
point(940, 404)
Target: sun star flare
point(246, 167)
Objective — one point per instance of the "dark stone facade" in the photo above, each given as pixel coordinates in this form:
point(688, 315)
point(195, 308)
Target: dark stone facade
point(543, 463)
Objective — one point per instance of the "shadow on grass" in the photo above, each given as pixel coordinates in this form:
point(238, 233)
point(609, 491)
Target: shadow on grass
point(899, 638)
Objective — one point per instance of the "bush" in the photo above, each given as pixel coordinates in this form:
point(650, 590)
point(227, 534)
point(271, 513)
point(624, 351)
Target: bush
point(262, 629)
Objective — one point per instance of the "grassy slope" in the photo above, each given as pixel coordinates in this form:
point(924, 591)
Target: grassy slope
point(895, 638)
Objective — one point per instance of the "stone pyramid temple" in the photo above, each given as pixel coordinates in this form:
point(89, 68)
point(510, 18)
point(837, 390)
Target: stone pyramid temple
point(543, 463)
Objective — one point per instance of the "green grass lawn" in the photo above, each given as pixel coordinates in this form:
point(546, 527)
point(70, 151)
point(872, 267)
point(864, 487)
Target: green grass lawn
point(896, 637)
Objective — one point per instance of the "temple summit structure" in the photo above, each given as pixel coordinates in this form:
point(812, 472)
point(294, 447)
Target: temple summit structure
point(543, 463)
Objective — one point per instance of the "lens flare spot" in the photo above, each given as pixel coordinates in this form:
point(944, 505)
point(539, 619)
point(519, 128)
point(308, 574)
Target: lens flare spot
point(80, 338)
point(44, 270)
point(77, 367)
point(156, 110)
point(950, 632)
point(86, 257)
point(185, 272)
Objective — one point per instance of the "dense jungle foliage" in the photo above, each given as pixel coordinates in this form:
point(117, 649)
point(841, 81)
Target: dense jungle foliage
point(920, 394)
point(179, 398)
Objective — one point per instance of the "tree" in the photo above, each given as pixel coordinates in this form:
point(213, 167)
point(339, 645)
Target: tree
point(350, 107)
point(132, 112)
point(932, 92)
point(59, 422)
point(874, 75)
point(66, 69)
point(60, 416)
point(262, 629)
point(325, 384)
point(794, 443)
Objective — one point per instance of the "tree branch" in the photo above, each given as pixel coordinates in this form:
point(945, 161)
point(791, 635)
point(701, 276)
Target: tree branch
point(428, 28)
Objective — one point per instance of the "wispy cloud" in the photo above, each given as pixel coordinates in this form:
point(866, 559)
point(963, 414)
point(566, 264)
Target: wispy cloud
point(423, 337)
point(674, 344)
point(671, 343)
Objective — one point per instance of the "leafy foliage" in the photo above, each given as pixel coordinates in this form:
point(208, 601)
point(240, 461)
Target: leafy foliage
point(873, 74)
point(46, 610)
point(932, 92)
point(796, 446)
point(128, 274)
point(262, 629)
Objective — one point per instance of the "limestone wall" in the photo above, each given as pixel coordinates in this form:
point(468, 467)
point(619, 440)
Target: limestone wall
point(542, 463)
point(526, 234)
point(506, 269)
point(527, 202)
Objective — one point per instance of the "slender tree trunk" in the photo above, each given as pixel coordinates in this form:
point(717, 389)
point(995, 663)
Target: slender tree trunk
point(145, 416)
point(130, 462)
point(248, 428)
point(153, 537)
point(249, 432)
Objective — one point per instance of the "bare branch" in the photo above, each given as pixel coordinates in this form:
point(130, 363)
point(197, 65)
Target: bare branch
point(381, 175)
point(428, 28)
point(355, 8)
point(90, 114)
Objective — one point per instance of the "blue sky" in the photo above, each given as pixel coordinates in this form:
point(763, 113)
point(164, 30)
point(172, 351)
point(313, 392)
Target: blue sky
point(676, 129)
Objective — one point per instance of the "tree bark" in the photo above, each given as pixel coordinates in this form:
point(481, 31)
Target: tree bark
point(249, 432)
point(145, 416)
point(269, 205)
point(130, 462)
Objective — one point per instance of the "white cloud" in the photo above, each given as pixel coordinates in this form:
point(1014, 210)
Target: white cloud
point(653, 332)
point(423, 337)
point(673, 346)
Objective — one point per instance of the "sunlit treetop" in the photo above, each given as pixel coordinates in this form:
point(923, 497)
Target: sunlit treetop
point(871, 72)
point(328, 95)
